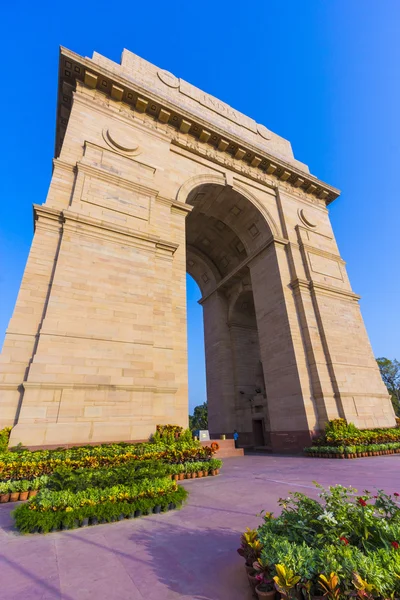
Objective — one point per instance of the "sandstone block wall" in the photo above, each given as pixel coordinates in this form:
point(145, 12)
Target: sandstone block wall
point(153, 178)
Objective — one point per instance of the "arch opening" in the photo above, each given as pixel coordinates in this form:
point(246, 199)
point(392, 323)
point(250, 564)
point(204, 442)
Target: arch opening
point(223, 231)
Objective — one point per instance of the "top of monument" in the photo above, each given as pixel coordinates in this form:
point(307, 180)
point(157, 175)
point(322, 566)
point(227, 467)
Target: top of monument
point(145, 88)
point(184, 94)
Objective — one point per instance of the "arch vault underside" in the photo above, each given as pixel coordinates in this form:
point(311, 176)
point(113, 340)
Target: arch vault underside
point(153, 178)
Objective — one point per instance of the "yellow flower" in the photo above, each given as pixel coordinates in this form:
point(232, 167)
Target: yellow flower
point(68, 509)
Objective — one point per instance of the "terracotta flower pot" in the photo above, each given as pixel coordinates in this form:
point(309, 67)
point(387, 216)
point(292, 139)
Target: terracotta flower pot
point(199, 473)
point(14, 497)
point(269, 595)
point(217, 471)
point(194, 475)
point(188, 476)
point(175, 477)
point(249, 568)
point(253, 581)
point(23, 496)
point(181, 476)
point(4, 498)
point(212, 472)
point(32, 493)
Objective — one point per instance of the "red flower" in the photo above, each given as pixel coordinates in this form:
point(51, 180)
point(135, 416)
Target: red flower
point(396, 494)
point(395, 545)
point(375, 496)
point(361, 501)
point(344, 540)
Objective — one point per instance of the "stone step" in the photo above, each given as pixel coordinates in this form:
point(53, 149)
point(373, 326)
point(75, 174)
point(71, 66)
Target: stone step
point(226, 448)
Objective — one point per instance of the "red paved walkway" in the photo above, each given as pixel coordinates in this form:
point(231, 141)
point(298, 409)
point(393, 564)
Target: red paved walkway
point(181, 554)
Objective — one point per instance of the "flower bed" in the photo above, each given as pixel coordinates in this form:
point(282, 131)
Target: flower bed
point(352, 451)
point(65, 478)
point(27, 465)
point(102, 483)
point(344, 545)
point(344, 440)
point(52, 510)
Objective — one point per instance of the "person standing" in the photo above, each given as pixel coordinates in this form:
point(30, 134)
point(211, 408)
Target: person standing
point(236, 438)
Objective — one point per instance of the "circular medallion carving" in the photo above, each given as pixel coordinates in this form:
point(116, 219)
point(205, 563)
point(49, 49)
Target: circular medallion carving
point(306, 219)
point(120, 139)
point(264, 132)
point(167, 78)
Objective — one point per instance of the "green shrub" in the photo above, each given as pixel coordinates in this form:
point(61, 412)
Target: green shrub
point(65, 478)
point(53, 510)
point(343, 533)
point(340, 433)
point(4, 437)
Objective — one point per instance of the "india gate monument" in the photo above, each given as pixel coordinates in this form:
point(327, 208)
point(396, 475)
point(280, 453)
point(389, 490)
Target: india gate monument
point(152, 179)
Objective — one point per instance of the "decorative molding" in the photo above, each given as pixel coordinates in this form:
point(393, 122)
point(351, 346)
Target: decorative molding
point(91, 73)
point(324, 253)
point(329, 290)
point(108, 230)
point(98, 386)
point(120, 141)
point(306, 219)
point(218, 179)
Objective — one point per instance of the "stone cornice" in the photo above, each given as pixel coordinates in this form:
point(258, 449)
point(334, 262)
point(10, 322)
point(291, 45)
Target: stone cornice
point(74, 67)
point(97, 386)
point(109, 230)
point(329, 290)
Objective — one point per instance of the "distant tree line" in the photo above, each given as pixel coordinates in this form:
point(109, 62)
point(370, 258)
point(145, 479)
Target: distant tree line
point(199, 419)
point(390, 371)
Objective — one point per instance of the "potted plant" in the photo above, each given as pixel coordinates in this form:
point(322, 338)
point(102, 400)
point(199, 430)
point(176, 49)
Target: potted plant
point(34, 487)
point(286, 581)
point(181, 472)
point(175, 472)
point(14, 490)
point(215, 465)
point(265, 587)
point(188, 471)
point(245, 550)
point(199, 466)
point(253, 555)
point(4, 492)
point(24, 490)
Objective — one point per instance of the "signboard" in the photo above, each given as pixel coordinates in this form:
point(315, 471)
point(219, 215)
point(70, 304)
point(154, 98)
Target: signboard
point(204, 435)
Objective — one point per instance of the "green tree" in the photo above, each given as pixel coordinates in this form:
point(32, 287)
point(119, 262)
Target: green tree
point(199, 419)
point(390, 372)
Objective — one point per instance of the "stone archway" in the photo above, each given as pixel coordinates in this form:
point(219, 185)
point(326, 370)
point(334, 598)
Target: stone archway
point(230, 254)
point(151, 177)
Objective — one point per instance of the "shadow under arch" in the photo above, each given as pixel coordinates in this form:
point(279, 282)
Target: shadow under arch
point(226, 229)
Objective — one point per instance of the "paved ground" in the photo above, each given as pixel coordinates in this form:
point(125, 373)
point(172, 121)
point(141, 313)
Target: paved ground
point(181, 554)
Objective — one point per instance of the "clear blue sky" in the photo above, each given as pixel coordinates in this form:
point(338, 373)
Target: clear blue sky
point(324, 75)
